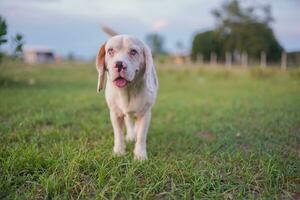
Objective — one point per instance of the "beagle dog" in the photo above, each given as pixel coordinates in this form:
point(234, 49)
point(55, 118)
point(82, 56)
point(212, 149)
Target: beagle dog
point(131, 90)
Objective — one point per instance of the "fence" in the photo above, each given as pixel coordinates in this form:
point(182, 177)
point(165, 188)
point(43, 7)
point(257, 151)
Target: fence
point(242, 59)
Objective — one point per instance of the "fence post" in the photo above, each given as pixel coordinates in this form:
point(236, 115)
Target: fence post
point(245, 59)
point(283, 61)
point(200, 58)
point(228, 60)
point(213, 58)
point(263, 59)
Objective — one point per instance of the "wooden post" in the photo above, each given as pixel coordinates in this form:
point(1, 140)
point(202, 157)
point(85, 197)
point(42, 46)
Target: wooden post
point(200, 58)
point(283, 61)
point(238, 57)
point(213, 58)
point(245, 59)
point(228, 60)
point(263, 59)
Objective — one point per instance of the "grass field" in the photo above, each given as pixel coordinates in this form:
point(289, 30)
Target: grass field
point(214, 134)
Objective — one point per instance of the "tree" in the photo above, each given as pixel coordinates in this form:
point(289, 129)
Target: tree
point(205, 43)
point(17, 43)
point(156, 43)
point(71, 56)
point(242, 29)
point(179, 45)
point(3, 32)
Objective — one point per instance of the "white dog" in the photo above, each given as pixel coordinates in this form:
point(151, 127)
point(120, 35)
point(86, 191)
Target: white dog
point(131, 89)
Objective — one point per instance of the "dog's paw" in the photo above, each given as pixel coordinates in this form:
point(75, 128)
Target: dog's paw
point(119, 151)
point(140, 154)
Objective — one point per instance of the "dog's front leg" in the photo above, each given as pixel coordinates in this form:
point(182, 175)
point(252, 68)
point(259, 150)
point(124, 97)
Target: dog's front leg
point(143, 122)
point(129, 121)
point(118, 125)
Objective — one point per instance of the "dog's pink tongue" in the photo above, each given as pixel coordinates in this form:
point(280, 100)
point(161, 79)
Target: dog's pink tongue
point(121, 82)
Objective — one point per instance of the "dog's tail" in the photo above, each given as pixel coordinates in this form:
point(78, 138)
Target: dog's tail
point(110, 32)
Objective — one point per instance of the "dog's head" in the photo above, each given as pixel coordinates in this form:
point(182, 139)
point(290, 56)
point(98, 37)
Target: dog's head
point(125, 58)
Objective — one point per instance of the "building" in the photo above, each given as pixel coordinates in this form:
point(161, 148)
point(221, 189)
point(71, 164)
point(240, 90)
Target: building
point(38, 54)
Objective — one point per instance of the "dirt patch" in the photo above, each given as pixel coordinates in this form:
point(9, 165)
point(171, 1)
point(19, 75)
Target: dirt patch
point(45, 126)
point(206, 135)
point(295, 193)
point(243, 147)
point(295, 129)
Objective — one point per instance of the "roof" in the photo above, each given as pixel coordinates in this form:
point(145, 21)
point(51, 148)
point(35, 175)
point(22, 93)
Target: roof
point(37, 48)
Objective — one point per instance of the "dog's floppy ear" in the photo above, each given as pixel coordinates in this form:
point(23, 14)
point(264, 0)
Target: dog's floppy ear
point(100, 65)
point(150, 72)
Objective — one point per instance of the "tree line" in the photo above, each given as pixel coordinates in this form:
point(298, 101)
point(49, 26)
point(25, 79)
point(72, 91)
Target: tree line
point(239, 31)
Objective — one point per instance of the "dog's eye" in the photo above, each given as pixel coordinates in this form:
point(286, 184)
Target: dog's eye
point(133, 52)
point(110, 51)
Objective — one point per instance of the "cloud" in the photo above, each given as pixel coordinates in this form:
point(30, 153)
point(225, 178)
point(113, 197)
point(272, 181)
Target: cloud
point(159, 24)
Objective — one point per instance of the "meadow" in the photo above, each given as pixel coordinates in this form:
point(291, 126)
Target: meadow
point(215, 133)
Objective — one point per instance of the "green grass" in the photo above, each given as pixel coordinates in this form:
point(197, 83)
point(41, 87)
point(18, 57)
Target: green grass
point(214, 134)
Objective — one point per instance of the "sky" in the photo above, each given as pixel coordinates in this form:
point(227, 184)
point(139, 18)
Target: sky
point(73, 26)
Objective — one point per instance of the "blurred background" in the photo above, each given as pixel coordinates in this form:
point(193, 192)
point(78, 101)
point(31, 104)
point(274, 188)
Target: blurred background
point(217, 32)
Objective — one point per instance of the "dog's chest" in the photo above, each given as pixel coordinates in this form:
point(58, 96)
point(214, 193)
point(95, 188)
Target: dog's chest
point(132, 104)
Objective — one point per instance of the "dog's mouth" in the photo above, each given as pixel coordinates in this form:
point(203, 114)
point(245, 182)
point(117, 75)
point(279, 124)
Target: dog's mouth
point(120, 82)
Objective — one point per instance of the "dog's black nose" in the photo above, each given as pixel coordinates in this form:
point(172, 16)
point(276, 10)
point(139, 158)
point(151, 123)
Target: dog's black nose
point(119, 65)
